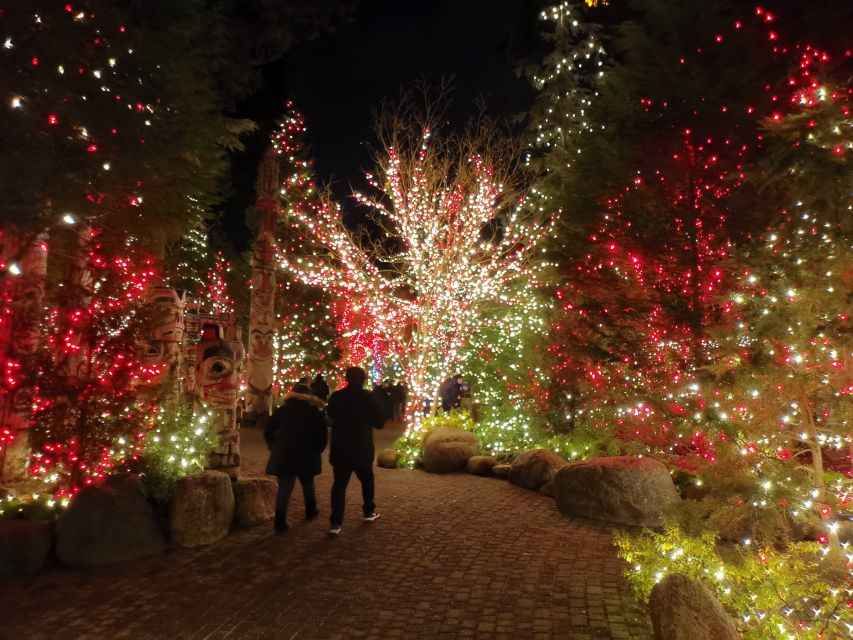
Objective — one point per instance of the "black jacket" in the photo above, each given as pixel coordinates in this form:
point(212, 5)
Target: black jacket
point(354, 415)
point(296, 436)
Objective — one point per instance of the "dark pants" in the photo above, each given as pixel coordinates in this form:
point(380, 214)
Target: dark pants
point(282, 498)
point(339, 490)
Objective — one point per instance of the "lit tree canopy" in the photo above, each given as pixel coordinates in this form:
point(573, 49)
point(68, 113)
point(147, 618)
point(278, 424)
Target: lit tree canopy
point(448, 229)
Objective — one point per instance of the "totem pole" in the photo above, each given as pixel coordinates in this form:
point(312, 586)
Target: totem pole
point(161, 356)
point(262, 309)
point(219, 356)
point(23, 285)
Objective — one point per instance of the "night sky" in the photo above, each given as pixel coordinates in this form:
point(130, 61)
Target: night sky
point(339, 79)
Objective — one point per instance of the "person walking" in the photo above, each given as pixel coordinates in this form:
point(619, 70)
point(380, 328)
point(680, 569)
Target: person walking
point(296, 435)
point(354, 415)
point(319, 387)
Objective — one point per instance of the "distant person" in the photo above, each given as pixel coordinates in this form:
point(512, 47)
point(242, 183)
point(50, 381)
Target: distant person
point(398, 401)
point(354, 415)
point(296, 435)
point(320, 387)
point(385, 399)
point(466, 400)
point(449, 393)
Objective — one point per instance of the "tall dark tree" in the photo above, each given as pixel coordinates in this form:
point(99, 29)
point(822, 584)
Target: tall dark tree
point(111, 117)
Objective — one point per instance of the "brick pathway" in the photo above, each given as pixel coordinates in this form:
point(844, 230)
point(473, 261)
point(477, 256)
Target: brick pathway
point(452, 556)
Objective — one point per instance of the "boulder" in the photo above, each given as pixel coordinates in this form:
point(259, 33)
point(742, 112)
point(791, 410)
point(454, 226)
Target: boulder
point(620, 490)
point(682, 608)
point(254, 501)
point(387, 459)
point(481, 465)
point(534, 468)
point(112, 522)
point(547, 489)
point(202, 509)
point(448, 449)
point(501, 470)
point(24, 546)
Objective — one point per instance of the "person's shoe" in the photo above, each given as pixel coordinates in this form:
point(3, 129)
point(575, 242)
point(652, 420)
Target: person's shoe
point(310, 514)
point(280, 523)
point(335, 530)
point(371, 517)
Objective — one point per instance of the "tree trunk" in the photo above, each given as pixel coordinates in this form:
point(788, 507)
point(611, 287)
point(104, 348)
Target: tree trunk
point(19, 330)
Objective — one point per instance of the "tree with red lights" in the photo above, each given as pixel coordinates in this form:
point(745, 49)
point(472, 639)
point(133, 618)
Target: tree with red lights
point(114, 152)
point(659, 192)
point(786, 353)
point(87, 414)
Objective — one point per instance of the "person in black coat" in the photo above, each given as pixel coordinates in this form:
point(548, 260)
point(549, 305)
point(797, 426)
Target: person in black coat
point(296, 436)
point(354, 415)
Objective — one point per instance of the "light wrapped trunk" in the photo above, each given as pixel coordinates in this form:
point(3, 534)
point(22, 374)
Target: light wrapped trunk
point(25, 257)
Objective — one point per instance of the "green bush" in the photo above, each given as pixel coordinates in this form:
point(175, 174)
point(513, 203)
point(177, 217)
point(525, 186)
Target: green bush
point(178, 445)
point(802, 592)
point(41, 508)
point(505, 436)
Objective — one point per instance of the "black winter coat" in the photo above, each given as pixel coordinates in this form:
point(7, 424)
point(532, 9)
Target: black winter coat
point(354, 415)
point(296, 436)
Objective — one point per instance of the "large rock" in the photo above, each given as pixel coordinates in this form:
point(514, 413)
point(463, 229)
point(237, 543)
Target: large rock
point(202, 509)
point(24, 546)
point(620, 490)
point(254, 501)
point(109, 523)
point(387, 459)
point(682, 608)
point(501, 470)
point(547, 489)
point(448, 449)
point(481, 465)
point(534, 468)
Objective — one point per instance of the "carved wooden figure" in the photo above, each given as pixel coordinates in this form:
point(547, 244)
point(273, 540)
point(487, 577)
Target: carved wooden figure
point(262, 309)
point(219, 356)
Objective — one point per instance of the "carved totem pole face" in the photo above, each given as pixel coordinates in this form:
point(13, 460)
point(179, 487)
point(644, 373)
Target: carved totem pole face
point(162, 349)
point(219, 361)
point(168, 324)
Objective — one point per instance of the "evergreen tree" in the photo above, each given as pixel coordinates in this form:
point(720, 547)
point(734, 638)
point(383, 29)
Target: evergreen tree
point(306, 338)
point(111, 117)
point(657, 192)
point(786, 353)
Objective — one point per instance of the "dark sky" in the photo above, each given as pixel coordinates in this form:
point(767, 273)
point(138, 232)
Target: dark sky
point(339, 79)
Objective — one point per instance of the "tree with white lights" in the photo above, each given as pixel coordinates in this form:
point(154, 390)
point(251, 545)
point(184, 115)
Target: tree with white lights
point(449, 232)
